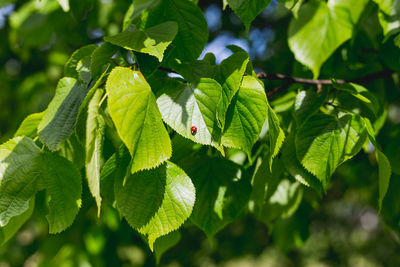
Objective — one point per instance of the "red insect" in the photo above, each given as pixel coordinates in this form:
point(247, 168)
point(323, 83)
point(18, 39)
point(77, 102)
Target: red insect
point(193, 130)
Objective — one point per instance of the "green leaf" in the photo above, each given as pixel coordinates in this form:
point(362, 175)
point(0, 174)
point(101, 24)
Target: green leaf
point(264, 183)
point(164, 243)
point(223, 190)
point(361, 93)
point(63, 184)
point(16, 223)
point(389, 16)
point(247, 10)
point(275, 133)
point(307, 103)
point(70, 68)
point(184, 105)
point(230, 74)
point(94, 145)
point(135, 10)
point(292, 5)
point(195, 70)
point(384, 168)
point(73, 151)
point(29, 125)
point(246, 115)
point(100, 57)
point(18, 177)
point(116, 166)
point(321, 28)
point(192, 33)
point(385, 172)
point(288, 3)
point(134, 110)
point(282, 201)
point(157, 201)
point(59, 119)
point(139, 195)
point(391, 150)
point(323, 142)
point(83, 69)
point(152, 41)
point(294, 167)
point(80, 127)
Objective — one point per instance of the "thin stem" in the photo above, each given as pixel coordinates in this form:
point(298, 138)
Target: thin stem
point(113, 61)
point(102, 100)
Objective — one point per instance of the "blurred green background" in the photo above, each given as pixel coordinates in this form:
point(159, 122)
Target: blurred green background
point(341, 229)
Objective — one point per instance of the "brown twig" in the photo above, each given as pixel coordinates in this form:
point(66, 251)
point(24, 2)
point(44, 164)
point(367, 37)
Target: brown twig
point(364, 79)
point(290, 80)
point(113, 61)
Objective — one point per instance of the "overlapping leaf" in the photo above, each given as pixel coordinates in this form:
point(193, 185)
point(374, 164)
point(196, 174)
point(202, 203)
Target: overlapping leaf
point(184, 105)
point(323, 142)
point(94, 144)
point(230, 74)
point(134, 111)
point(246, 115)
point(157, 201)
point(19, 176)
point(361, 93)
point(152, 41)
point(29, 125)
point(63, 183)
point(70, 68)
point(100, 57)
point(307, 103)
point(15, 223)
point(389, 16)
point(222, 191)
point(294, 167)
point(59, 119)
point(384, 168)
point(321, 28)
point(192, 33)
point(247, 10)
point(275, 133)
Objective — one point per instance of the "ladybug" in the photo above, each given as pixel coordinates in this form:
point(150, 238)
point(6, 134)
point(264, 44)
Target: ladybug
point(193, 130)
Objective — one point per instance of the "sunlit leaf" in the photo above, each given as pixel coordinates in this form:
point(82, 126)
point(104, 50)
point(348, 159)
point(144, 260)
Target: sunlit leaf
point(19, 160)
point(152, 41)
point(16, 223)
point(230, 74)
point(192, 33)
point(321, 28)
point(275, 133)
point(134, 111)
point(246, 115)
point(294, 167)
point(94, 145)
point(323, 142)
point(184, 105)
point(29, 125)
point(59, 119)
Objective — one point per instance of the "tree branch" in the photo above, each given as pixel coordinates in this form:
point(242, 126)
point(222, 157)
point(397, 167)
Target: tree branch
point(290, 80)
point(364, 79)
